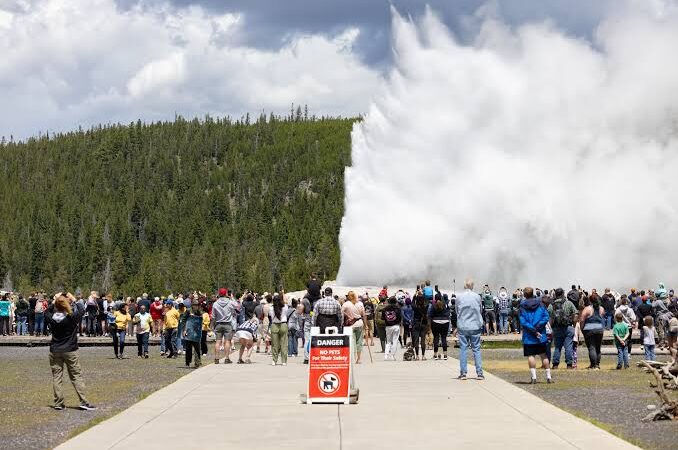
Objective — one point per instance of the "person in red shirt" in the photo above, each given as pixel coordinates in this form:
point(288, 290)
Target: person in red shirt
point(156, 315)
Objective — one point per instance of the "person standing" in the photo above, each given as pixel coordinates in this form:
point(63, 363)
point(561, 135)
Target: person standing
point(354, 317)
point(143, 322)
point(439, 317)
point(469, 329)
point(327, 312)
point(369, 321)
point(621, 332)
point(607, 302)
point(192, 334)
point(21, 314)
point(279, 329)
point(5, 305)
point(379, 322)
point(649, 338)
point(490, 315)
point(305, 325)
point(592, 323)
point(533, 319)
point(563, 316)
point(224, 320)
point(156, 312)
point(313, 287)
point(63, 349)
point(419, 325)
point(392, 317)
point(120, 331)
point(294, 322)
point(170, 324)
point(206, 321)
point(504, 307)
point(629, 318)
point(408, 318)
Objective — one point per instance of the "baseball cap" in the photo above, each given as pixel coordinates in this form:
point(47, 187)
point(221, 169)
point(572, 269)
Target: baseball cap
point(223, 292)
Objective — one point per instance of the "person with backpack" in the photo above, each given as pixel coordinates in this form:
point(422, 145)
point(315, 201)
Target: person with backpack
point(489, 314)
point(592, 323)
point(504, 309)
point(40, 308)
point(563, 316)
point(392, 317)
point(327, 312)
point(533, 319)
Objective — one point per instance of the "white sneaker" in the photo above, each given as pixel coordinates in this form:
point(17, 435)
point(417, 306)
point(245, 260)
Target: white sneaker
point(284, 364)
point(273, 363)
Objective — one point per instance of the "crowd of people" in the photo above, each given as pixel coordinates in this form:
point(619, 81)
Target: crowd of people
point(551, 322)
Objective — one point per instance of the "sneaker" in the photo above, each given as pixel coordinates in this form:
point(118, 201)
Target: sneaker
point(618, 367)
point(146, 355)
point(306, 361)
point(58, 408)
point(273, 363)
point(533, 381)
point(216, 361)
point(284, 364)
point(554, 367)
point(240, 361)
point(462, 377)
point(445, 357)
point(162, 353)
point(550, 381)
point(87, 407)
point(227, 360)
point(480, 378)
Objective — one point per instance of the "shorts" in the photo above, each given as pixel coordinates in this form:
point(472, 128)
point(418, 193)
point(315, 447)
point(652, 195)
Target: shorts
point(223, 330)
point(672, 334)
point(490, 316)
point(534, 349)
point(243, 334)
point(370, 326)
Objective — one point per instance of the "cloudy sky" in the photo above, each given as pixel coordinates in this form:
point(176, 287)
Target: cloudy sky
point(71, 63)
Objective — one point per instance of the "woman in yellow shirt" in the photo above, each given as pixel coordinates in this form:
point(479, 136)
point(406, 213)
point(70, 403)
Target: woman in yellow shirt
point(205, 328)
point(122, 318)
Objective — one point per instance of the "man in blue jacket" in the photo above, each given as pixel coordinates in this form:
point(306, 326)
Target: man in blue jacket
point(533, 320)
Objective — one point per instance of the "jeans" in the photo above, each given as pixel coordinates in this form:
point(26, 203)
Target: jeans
point(594, 340)
point(649, 352)
point(142, 344)
point(622, 356)
point(22, 325)
point(178, 342)
point(503, 322)
point(118, 341)
point(439, 333)
point(307, 338)
point(562, 337)
point(39, 323)
point(4, 326)
point(392, 334)
point(91, 324)
point(170, 337)
point(515, 319)
point(292, 343)
point(471, 340)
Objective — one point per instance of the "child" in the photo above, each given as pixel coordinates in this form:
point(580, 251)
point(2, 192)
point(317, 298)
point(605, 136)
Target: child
point(620, 332)
point(648, 338)
point(575, 344)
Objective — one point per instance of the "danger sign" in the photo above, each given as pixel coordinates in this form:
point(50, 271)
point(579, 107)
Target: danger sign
point(329, 368)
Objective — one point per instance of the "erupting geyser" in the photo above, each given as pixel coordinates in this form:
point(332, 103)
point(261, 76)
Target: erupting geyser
point(527, 156)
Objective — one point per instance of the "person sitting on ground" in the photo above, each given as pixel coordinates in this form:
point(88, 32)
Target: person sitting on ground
point(63, 350)
point(533, 320)
point(621, 332)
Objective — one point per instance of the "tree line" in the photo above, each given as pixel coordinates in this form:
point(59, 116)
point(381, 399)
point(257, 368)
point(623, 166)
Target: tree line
point(174, 206)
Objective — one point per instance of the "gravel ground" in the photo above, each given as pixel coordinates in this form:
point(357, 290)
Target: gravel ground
point(28, 421)
point(613, 400)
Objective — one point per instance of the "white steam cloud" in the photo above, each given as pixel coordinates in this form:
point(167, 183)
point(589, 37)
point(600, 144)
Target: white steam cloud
point(527, 156)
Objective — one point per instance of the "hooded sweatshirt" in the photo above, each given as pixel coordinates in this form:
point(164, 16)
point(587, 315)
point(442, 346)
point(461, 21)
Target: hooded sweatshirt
point(225, 311)
point(64, 328)
point(533, 319)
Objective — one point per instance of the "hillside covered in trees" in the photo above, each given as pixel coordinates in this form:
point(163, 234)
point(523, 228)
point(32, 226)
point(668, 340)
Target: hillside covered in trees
point(174, 206)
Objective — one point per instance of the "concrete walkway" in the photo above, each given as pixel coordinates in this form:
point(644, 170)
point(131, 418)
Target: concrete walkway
point(403, 405)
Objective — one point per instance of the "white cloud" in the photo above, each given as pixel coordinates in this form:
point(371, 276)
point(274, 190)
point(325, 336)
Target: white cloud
point(70, 63)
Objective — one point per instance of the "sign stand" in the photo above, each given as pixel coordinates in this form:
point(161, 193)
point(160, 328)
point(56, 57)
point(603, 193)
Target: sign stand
point(330, 374)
